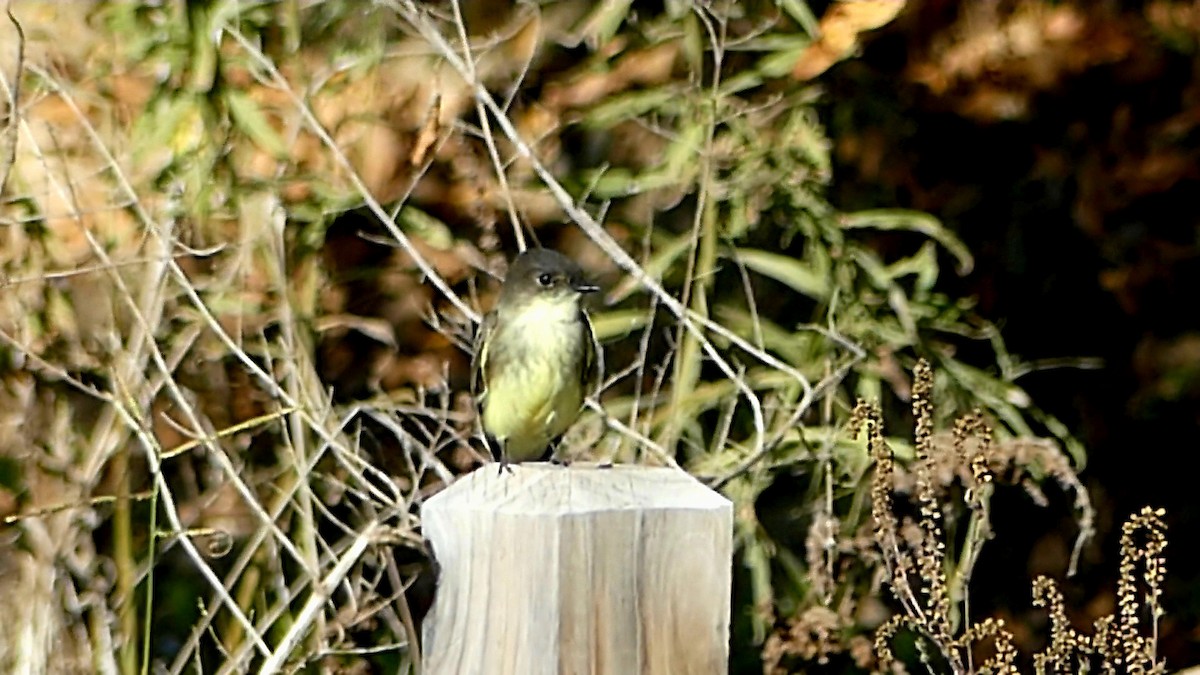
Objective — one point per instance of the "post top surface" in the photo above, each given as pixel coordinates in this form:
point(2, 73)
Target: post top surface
point(540, 488)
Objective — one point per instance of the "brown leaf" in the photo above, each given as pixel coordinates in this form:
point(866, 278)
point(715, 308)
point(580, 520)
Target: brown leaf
point(428, 134)
point(840, 28)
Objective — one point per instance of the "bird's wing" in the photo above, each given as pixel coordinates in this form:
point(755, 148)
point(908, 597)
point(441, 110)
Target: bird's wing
point(479, 370)
point(479, 357)
point(593, 359)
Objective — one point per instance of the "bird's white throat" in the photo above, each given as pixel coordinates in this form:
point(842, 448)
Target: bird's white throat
point(540, 321)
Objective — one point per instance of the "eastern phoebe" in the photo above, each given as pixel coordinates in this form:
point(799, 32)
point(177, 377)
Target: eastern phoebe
point(535, 357)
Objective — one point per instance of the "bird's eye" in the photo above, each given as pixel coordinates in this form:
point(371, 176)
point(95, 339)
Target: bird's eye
point(545, 279)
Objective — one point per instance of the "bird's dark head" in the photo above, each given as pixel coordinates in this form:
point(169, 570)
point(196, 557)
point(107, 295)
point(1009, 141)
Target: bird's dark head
point(544, 274)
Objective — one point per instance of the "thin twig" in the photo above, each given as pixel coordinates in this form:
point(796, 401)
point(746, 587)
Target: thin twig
point(14, 101)
point(488, 137)
point(320, 595)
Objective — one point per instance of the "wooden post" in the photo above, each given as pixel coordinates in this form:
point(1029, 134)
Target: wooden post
point(581, 571)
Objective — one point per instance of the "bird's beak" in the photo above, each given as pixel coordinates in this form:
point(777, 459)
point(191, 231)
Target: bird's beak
point(584, 287)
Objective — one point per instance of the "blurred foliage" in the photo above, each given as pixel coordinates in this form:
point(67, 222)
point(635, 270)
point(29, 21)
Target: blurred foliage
point(320, 165)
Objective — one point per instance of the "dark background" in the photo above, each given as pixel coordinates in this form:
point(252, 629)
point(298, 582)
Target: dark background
point(1070, 172)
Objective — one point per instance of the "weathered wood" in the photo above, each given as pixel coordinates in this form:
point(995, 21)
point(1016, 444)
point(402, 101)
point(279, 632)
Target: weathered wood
point(580, 570)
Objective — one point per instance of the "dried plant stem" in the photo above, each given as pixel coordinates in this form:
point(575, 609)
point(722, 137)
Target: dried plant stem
point(928, 605)
point(701, 268)
point(123, 558)
point(302, 386)
point(148, 618)
point(485, 125)
point(320, 595)
point(11, 131)
point(702, 263)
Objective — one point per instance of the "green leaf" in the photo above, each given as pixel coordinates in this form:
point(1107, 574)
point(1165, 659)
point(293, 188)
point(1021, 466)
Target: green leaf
point(739, 82)
point(869, 263)
point(780, 63)
point(682, 155)
point(800, 12)
point(169, 128)
point(792, 346)
point(431, 230)
point(251, 120)
point(616, 109)
point(601, 25)
point(923, 264)
point(618, 323)
point(1003, 399)
point(913, 221)
point(1060, 431)
point(613, 183)
point(809, 277)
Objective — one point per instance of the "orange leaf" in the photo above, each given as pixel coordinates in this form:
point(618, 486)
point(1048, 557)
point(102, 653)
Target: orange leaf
point(840, 28)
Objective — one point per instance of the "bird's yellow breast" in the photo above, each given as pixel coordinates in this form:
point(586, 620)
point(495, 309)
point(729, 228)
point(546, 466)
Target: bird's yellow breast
point(536, 394)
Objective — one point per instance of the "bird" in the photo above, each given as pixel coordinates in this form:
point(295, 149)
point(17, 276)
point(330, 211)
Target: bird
point(535, 358)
